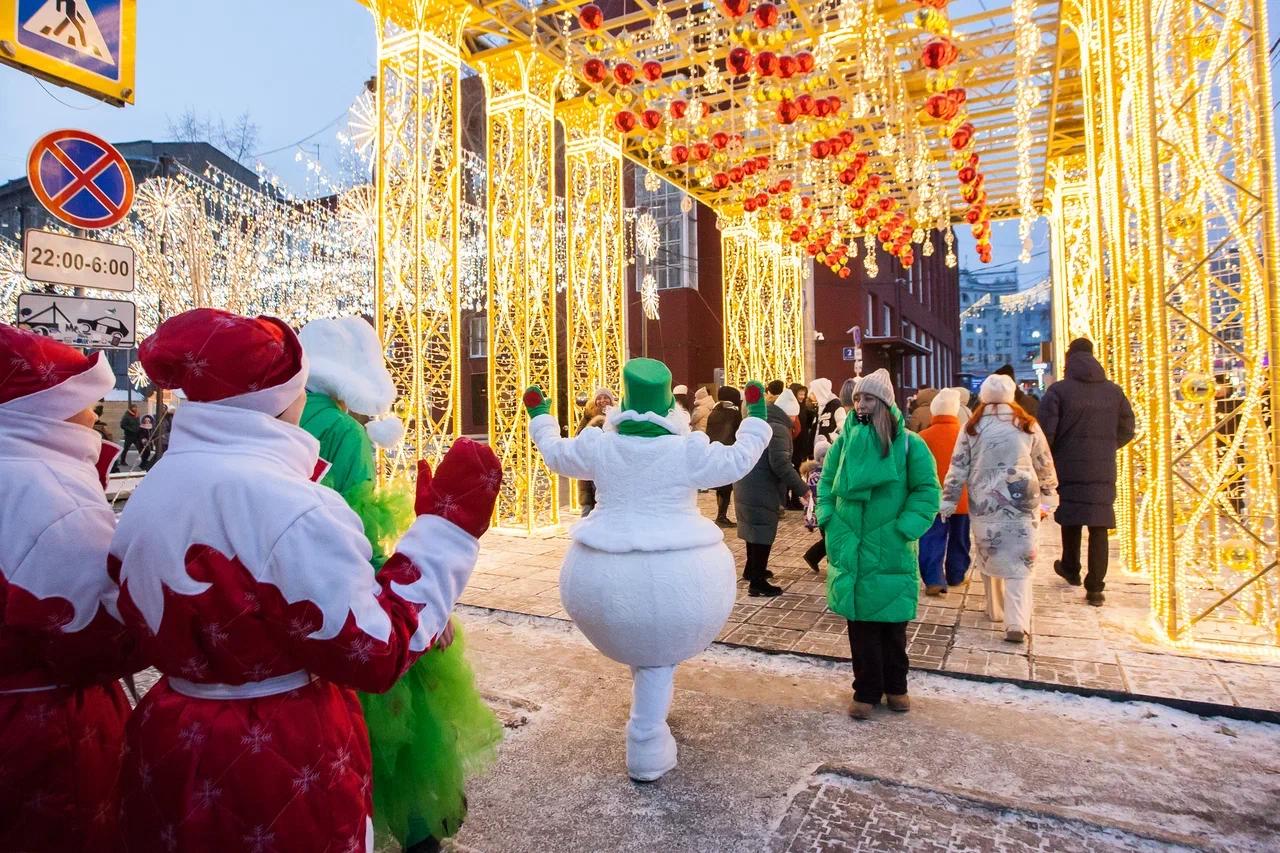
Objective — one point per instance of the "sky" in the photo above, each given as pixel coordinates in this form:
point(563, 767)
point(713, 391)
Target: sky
point(294, 66)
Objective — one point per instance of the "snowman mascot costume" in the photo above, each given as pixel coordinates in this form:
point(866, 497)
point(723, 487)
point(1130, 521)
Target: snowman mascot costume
point(648, 579)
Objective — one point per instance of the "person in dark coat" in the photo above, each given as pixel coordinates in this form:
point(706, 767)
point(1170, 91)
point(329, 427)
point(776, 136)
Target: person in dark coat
point(722, 427)
point(757, 498)
point(1029, 404)
point(1086, 419)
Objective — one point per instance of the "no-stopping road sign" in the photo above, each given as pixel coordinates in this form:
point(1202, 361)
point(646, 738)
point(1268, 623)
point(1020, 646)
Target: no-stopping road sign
point(80, 179)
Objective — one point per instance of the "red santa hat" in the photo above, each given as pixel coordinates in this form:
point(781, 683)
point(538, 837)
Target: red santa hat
point(213, 356)
point(40, 376)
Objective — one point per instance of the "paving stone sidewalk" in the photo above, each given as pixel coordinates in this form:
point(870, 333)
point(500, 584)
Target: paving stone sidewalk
point(1109, 648)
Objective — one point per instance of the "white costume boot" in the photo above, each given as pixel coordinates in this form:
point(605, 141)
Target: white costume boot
point(651, 750)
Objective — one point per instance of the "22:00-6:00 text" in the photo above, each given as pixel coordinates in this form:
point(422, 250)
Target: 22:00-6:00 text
point(77, 261)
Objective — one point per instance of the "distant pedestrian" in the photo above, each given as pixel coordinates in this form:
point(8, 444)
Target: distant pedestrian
point(1004, 460)
point(921, 416)
point(703, 403)
point(722, 427)
point(802, 446)
point(811, 471)
point(129, 427)
point(944, 549)
point(758, 496)
point(827, 405)
point(878, 494)
point(1086, 420)
point(847, 390)
point(147, 430)
point(1029, 404)
point(593, 416)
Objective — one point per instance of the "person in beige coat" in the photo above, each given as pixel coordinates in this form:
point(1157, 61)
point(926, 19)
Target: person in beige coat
point(1004, 460)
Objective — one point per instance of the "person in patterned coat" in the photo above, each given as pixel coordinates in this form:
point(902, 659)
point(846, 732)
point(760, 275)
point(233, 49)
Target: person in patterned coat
point(256, 599)
point(62, 646)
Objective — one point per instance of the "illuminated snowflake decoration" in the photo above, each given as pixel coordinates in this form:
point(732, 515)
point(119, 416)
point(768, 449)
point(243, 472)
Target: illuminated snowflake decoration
point(713, 80)
point(163, 203)
point(860, 106)
point(138, 377)
point(358, 210)
point(362, 125)
point(661, 26)
point(649, 296)
point(686, 204)
point(648, 237)
point(568, 86)
point(652, 182)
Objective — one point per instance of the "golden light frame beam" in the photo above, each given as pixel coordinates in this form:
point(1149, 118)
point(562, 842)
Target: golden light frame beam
point(763, 284)
point(522, 294)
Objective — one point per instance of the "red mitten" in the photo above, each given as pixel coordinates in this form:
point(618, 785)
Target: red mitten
point(422, 491)
point(464, 488)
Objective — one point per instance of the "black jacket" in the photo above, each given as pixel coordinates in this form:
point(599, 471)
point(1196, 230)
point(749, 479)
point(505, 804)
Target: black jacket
point(758, 497)
point(722, 423)
point(1086, 419)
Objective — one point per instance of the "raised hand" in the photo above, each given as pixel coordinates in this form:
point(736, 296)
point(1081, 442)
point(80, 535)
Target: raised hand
point(464, 487)
point(753, 397)
point(535, 402)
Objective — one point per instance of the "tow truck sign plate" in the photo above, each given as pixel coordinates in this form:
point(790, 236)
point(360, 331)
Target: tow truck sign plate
point(79, 321)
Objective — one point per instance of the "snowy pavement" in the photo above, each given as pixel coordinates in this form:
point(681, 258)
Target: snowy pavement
point(1112, 650)
point(770, 761)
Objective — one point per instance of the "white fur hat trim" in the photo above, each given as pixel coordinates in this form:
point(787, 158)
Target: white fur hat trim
point(386, 431)
point(347, 363)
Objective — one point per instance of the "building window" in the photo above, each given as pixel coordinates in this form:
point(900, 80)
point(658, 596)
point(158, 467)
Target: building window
point(871, 315)
point(479, 343)
point(886, 319)
point(676, 264)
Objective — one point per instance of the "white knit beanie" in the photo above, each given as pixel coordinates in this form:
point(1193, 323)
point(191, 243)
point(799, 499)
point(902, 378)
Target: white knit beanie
point(878, 385)
point(996, 388)
point(945, 403)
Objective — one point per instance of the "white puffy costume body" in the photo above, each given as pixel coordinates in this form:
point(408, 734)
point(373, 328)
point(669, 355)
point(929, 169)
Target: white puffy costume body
point(648, 578)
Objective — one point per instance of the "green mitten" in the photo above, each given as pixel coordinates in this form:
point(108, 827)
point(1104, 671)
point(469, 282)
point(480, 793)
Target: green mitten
point(535, 402)
point(753, 396)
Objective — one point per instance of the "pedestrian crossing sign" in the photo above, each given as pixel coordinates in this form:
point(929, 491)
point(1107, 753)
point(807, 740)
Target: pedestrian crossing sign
point(87, 45)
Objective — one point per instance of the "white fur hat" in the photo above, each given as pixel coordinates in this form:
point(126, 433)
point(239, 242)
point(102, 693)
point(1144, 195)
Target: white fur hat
point(788, 403)
point(996, 388)
point(347, 363)
point(946, 402)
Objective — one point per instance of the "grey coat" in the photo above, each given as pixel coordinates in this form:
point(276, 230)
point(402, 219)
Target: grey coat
point(758, 497)
point(1086, 419)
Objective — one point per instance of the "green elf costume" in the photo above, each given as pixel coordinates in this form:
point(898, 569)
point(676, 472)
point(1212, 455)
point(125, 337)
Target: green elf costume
point(432, 730)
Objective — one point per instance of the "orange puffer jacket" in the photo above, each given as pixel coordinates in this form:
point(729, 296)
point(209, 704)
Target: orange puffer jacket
point(941, 435)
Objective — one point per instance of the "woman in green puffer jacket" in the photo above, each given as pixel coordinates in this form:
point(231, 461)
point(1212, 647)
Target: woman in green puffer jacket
point(879, 493)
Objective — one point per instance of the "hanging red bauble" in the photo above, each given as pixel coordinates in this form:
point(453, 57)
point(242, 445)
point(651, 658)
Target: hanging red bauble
point(750, 167)
point(958, 95)
point(873, 181)
point(847, 137)
point(804, 61)
point(720, 139)
point(788, 112)
point(861, 221)
point(883, 235)
point(762, 199)
point(739, 60)
point(784, 213)
point(701, 150)
point(806, 104)
point(679, 154)
point(934, 4)
point(735, 8)
point(766, 16)
point(766, 63)
point(835, 103)
point(784, 185)
point(796, 236)
point(908, 258)
point(591, 17)
point(941, 107)
point(749, 205)
point(651, 119)
point(967, 174)
point(845, 272)
point(973, 159)
point(736, 174)
point(821, 108)
point(820, 149)
point(652, 70)
point(939, 53)
point(972, 215)
point(962, 136)
point(719, 180)
point(837, 145)
point(786, 66)
point(886, 203)
point(812, 248)
point(624, 73)
point(805, 201)
point(678, 109)
point(595, 70)
point(624, 121)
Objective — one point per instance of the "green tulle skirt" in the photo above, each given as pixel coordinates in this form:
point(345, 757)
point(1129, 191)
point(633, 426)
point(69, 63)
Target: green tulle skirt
point(432, 730)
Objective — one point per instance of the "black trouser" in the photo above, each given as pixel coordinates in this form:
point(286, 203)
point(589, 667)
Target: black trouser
point(723, 494)
point(879, 651)
point(1099, 552)
point(130, 442)
point(817, 550)
point(757, 562)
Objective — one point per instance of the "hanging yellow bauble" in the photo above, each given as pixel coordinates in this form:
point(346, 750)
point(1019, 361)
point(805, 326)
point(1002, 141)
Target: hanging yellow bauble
point(651, 94)
point(596, 44)
point(650, 143)
point(595, 97)
point(1236, 555)
point(701, 172)
point(624, 97)
point(1197, 388)
point(821, 257)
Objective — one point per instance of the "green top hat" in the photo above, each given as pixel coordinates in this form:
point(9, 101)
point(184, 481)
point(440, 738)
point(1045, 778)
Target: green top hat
point(646, 386)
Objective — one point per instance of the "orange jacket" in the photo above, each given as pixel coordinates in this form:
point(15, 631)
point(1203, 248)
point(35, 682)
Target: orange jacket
point(941, 435)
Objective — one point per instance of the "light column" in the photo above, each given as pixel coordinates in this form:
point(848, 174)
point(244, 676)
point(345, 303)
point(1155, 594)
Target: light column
point(419, 196)
point(522, 294)
point(763, 306)
point(595, 297)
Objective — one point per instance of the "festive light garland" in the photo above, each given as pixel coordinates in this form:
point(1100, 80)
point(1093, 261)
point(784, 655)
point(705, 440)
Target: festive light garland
point(1027, 98)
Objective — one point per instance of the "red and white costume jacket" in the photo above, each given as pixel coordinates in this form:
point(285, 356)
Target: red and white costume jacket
point(250, 588)
point(62, 646)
